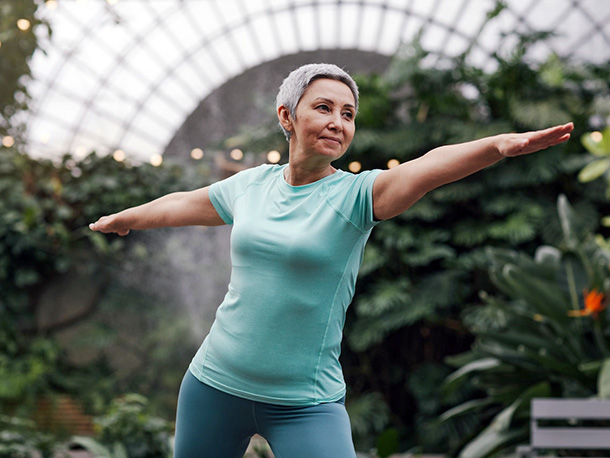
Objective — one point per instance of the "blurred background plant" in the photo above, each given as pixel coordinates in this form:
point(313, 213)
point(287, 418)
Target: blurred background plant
point(129, 429)
point(46, 248)
point(424, 267)
point(597, 143)
point(19, 438)
point(546, 335)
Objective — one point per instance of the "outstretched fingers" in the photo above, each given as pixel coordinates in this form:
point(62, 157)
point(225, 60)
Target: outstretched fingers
point(530, 142)
point(106, 225)
point(554, 135)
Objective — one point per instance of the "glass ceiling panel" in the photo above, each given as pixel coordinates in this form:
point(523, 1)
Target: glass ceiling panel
point(127, 73)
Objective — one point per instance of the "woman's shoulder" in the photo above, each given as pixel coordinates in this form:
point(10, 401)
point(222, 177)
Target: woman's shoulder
point(256, 173)
point(348, 179)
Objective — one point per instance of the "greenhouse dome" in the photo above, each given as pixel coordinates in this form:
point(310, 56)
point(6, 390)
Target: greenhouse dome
point(125, 75)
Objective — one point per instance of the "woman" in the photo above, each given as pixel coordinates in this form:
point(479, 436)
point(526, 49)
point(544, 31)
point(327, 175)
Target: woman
point(270, 364)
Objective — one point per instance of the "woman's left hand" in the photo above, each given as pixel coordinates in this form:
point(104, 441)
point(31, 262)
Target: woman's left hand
point(510, 145)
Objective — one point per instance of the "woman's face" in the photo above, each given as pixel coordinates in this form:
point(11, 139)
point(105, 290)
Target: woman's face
point(324, 123)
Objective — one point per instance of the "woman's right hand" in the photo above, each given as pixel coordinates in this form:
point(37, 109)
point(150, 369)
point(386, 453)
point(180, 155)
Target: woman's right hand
point(109, 224)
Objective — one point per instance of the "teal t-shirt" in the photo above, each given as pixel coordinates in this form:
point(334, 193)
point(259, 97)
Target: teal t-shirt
point(295, 255)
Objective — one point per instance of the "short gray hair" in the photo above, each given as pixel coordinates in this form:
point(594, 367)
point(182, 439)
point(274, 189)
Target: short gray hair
point(295, 84)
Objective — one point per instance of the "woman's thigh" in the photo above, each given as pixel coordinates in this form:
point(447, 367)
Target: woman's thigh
point(320, 431)
point(210, 423)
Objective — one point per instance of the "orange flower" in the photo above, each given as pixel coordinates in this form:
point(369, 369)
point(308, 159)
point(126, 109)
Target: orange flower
point(595, 302)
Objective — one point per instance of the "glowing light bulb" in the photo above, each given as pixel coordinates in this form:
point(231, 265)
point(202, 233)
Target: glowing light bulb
point(197, 153)
point(237, 154)
point(274, 156)
point(597, 136)
point(393, 163)
point(354, 166)
point(156, 160)
point(80, 151)
point(51, 4)
point(23, 24)
point(118, 155)
point(8, 141)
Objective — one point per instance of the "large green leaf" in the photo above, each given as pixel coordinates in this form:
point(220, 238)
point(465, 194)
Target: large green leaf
point(603, 381)
point(501, 432)
point(491, 440)
point(474, 405)
point(594, 170)
point(569, 222)
point(596, 145)
point(544, 296)
point(457, 377)
point(515, 338)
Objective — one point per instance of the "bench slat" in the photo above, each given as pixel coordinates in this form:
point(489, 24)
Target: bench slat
point(576, 438)
point(570, 408)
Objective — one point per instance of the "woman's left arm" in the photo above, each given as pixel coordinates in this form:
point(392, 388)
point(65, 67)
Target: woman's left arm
point(395, 190)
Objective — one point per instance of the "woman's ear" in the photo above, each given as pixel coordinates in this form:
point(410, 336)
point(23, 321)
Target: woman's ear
point(283, 114)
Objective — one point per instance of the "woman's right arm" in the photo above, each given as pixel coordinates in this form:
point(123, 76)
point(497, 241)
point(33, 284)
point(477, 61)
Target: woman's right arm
point(192, 208)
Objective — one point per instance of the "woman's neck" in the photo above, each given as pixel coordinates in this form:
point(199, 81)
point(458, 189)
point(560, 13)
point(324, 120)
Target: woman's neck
point(299, 175)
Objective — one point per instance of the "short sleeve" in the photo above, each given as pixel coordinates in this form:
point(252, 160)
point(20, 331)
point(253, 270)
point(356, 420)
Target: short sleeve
point(354, 199)
point(224, 193)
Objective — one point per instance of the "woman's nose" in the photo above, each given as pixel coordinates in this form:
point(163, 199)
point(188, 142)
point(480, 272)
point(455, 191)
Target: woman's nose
point(335, 122)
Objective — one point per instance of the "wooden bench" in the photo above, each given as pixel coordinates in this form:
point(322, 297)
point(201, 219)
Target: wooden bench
point(569, 425)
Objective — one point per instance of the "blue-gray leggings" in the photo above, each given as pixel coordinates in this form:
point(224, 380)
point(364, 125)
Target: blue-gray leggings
point(211, 423)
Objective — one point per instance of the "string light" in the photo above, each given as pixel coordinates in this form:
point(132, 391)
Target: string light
point(197, 153)
point(51, 4)
point(597, 136)
point(393, 163)
point(23, 24)
point(8, 141)
point(118, 155)
point(354, 166)
point(274, 157)
point(156, 160)
point(80, 151)
point(237, 154)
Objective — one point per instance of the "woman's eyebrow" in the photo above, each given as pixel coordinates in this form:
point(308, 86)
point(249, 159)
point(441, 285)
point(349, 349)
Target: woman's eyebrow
point(331, 102)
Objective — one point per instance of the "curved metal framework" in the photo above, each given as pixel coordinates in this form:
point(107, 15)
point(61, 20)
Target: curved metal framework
point(125, 74)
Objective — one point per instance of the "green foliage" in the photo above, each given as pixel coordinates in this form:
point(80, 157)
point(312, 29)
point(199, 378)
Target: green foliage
point(368, 412)
point(542, 338)
point(19, 439)
point(128, 429)
point(44, 217)
point(26, 376)
point(45, 210)
point(15, 53)
point(598, 145)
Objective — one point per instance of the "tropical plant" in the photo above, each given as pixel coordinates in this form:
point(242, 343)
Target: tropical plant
point(17, 46)
point(44, 212)
point(548, 335)
point(19, 439)
point(129, 429)
point(598, 144)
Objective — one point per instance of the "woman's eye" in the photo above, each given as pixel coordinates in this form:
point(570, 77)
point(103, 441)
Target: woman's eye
point(323, 107)
point(349, 115)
